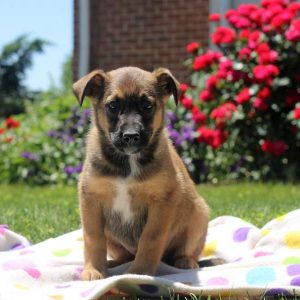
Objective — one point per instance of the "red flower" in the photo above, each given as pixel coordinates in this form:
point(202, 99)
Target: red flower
point(264, 73)
point(197, 115)
point(11, 123)
point(264, 93)
point(254, 39)
point(267, 57)
point(206, 95)
point(214, 17)
point(213, 137)
point(200, 63)
point(183, 87)
point(223, 35)
point(225, 69)
point(267, 3)
point(245, 34)
point(244, 54)
point(282, 19)
point(260, 104)
point(187, 103)
point(276, 148)
point(212, 82)
point(232, 16)
point(192, 47)
point(243, 96)
point(294, 7)
point(223, 112)
point(242, 23)
point(246, 9)
point(205, 60)
point(296, 113)
point(293, 32)
point(2, 130)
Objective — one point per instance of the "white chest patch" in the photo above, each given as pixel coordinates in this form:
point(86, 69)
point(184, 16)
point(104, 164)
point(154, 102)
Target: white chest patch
point(122, 201)
point(134, 165)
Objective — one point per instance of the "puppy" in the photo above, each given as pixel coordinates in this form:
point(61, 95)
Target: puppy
point(137, 200)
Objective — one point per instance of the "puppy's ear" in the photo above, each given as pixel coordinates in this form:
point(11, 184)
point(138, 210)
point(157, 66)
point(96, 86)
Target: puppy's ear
point(167, 83)
point(91, 85)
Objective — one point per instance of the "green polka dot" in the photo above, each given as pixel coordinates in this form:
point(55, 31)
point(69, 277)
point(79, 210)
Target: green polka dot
point(61, 252)
point(291, 260)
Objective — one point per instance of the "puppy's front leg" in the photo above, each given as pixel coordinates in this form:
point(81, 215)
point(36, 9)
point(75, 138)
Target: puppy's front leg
point(153, 240)
point(95, 264)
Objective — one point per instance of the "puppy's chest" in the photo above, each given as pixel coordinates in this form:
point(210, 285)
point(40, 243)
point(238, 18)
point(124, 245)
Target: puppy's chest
point(125, 218)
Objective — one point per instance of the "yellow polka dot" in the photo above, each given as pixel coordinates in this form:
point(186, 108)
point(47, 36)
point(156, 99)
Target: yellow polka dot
point(79, 239)
point(209, 248)
point(21, 287)
point(56, 297)
point(265, 232)
point(292, 239)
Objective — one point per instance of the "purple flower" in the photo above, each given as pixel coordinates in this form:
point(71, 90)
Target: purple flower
point(187, 133)
point(174, 135)
point(72, 169)
point(171, 116)
point(53, 133)
point(68, 139)
point(87, 112)
point(29, 156)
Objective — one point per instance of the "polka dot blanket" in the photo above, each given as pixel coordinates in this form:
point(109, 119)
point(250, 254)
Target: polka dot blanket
point(260, 262)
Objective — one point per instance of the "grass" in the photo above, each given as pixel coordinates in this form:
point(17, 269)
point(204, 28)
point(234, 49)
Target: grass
point(43, 212)
point(39, 213)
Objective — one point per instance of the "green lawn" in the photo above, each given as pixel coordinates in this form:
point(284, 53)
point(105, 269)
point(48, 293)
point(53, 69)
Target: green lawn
point(42, 212)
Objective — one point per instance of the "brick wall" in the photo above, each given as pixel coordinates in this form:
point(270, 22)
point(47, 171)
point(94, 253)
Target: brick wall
point(145, 33)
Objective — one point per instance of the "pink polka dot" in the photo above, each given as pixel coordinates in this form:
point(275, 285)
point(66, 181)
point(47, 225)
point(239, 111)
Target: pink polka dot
point(217, 281)
point(34, 273)
point(85, 293)
point(262, 253)
point(2, 231)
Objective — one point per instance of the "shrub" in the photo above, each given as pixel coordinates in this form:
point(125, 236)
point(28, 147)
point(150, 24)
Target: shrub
point(46, 144)
point(240, 116)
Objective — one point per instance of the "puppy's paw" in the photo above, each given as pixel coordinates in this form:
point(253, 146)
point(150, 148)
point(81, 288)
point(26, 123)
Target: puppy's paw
point(89, 274)
point(185, 262)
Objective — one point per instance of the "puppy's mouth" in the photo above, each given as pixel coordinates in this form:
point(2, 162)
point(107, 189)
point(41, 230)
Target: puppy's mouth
point(131, 150)
point(131, 146)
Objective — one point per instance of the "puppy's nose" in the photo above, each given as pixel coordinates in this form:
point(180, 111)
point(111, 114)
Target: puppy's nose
point(131, 137)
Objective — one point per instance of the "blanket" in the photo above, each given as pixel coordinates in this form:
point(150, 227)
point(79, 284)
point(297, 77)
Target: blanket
point(260, 262)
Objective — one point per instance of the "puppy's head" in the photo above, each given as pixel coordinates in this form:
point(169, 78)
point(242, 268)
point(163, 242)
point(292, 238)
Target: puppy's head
point(129, 104)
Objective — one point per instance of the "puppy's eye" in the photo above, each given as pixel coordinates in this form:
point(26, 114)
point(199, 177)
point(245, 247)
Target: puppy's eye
point(113, 105)
point(146, 105)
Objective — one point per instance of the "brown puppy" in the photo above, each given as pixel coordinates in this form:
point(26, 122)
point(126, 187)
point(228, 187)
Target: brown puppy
point(137, 200)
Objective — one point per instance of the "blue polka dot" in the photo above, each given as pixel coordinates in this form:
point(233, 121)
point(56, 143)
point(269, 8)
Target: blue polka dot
point(149, 288)
point(260, 276)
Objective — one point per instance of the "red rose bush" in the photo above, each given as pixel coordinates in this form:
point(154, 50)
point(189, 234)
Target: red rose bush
point(243, 102)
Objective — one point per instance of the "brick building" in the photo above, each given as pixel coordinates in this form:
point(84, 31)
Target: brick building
point(144, 33)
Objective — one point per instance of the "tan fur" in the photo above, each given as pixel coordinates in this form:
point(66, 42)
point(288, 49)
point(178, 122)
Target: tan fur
point(177, 215)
